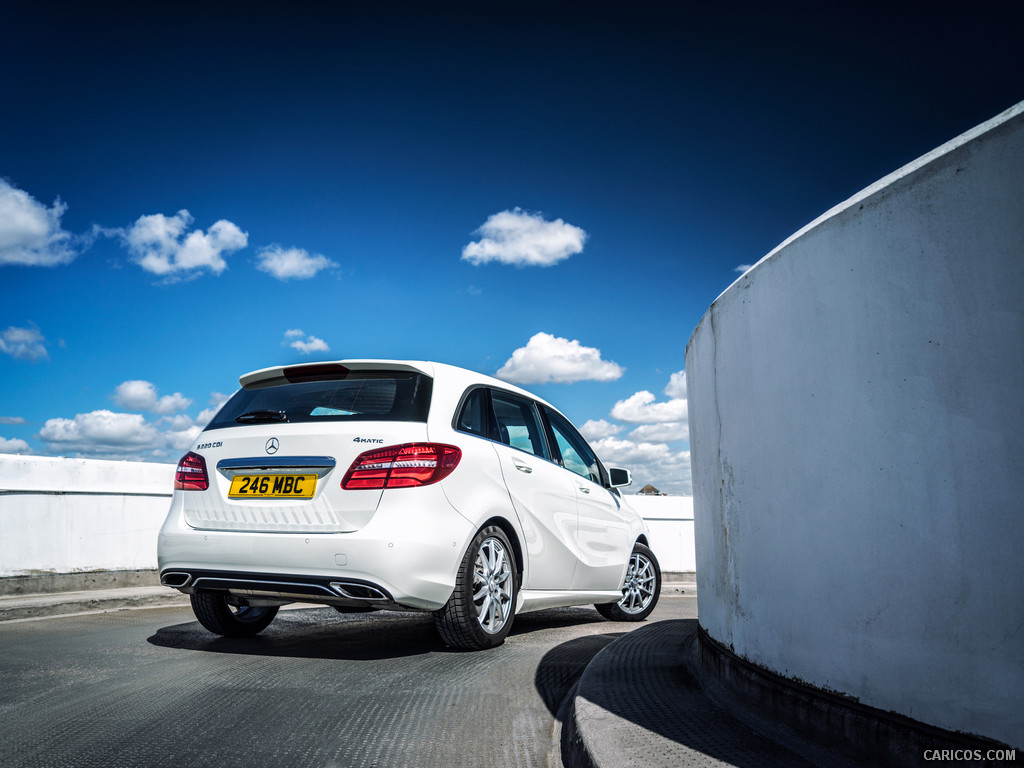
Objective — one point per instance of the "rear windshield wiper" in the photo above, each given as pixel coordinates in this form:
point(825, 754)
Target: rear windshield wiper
point(252, 417)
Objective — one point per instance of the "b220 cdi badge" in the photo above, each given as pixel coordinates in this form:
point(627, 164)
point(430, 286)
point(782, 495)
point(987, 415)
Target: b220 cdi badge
point(381, 484)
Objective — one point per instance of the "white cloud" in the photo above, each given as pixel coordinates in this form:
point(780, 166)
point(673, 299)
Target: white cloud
point(101, 433)
point(646, 451)
point(142, 396)
point(676, 387)
point(640, 408)
point(547, 358)
point(595, 430)
point(524, 239)
point(181, 431)
point(23, 343)
point(12, 420)
point(171, 403)
point(217, 400)
point(105, 434)
point(182, 440)
point(661, 433)
point(310, 345)
point(614, 449)
point(305, 343)
point(291, 263)
point(743, 268)
point(177, 423)
point(653, 463)
point(161, 244)
point(135, 395)
point(206, 416)
point(14, 445)
point(30, 233)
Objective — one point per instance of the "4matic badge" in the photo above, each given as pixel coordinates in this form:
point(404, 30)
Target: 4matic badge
point(368, 440)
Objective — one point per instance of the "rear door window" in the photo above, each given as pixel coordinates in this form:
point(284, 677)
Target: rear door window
point(362, 395)
point(518, 423)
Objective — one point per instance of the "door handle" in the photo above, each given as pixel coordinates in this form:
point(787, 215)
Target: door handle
point(523, 467)
point(584, 488)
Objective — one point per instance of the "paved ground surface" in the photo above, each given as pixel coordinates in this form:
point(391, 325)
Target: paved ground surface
point(88, 679)
point(152, 688)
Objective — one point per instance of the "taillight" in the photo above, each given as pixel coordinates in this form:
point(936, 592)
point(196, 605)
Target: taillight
point(402, 466)
point(191, 473)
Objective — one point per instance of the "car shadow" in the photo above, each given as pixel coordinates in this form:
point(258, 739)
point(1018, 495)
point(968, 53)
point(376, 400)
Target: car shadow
point(316, 633)
point(553, 618)
point(323, 633)
point(561, 667)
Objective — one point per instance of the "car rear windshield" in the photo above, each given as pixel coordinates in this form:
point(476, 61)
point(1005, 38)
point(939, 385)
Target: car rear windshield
point(364, 395)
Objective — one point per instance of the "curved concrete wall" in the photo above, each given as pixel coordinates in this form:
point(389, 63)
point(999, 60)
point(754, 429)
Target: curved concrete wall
point(857, 438)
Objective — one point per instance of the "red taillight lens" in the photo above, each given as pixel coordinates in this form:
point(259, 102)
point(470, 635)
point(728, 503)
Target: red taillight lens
point(191, 473)
point(402, 466)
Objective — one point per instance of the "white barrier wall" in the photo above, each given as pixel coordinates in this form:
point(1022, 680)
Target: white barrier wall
point(67, 515)
point(857, 438)
point(670, 520)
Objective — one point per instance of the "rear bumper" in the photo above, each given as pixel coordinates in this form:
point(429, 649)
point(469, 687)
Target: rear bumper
point(280, 588)
point(407, 556)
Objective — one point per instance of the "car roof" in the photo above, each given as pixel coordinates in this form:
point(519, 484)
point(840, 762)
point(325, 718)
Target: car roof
point(449, 374)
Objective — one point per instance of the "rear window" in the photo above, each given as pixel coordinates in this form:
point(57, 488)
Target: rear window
point(358, 396)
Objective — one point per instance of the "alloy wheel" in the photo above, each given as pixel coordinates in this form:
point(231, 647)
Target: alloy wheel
point(639, 584)
point(491, 581)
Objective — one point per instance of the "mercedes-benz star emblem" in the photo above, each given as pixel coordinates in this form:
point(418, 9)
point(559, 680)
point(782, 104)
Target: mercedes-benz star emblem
point(272, 445)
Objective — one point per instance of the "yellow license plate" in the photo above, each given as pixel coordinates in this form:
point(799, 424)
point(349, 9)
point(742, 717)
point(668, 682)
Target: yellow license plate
point(272, 487)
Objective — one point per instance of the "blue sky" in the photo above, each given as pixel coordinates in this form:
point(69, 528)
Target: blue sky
point(553, 191)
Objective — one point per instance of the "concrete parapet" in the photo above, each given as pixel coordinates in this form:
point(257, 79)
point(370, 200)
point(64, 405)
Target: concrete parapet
point(670, 520)
point(857, 439)
point(50, 583)
point(63, 515)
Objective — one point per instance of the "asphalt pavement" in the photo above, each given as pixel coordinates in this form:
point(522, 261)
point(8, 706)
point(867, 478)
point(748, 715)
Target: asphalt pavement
point(640, 701)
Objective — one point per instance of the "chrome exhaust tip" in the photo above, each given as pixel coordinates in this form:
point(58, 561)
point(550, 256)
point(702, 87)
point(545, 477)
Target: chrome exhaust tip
point(175, 579)
point(358, 591)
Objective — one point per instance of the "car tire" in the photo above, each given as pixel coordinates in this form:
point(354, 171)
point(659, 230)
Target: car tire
point(640, 588)
point(220, 617)
point(479, 613)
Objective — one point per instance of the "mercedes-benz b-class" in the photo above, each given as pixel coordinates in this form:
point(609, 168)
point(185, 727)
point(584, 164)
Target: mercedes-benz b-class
point(376, 484)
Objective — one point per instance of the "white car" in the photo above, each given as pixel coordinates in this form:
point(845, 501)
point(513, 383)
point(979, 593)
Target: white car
point(370, 484)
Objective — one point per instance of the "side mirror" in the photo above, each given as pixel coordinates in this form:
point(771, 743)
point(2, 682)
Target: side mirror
point(619, 477)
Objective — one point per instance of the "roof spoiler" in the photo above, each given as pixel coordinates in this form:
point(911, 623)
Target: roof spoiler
point(334, 371)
